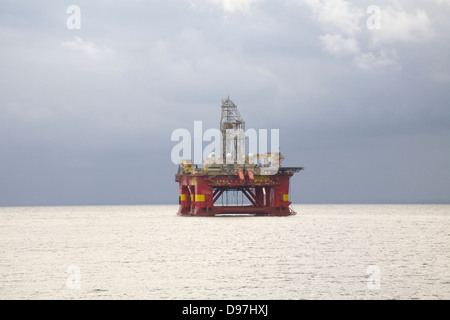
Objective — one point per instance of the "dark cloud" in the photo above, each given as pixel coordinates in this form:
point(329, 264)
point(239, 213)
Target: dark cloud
point(86, 115)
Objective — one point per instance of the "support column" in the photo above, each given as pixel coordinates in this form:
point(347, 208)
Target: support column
point(184, 200)
point(203, 196)
point(284, 191)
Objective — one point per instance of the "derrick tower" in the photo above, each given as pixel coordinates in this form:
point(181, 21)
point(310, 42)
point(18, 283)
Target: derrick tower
point(232, 129)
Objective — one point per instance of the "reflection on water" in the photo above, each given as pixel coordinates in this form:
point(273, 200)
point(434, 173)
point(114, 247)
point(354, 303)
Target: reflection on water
point(148, 252)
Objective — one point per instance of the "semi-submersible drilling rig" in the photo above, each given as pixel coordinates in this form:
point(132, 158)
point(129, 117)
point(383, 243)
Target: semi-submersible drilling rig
point(220, 186)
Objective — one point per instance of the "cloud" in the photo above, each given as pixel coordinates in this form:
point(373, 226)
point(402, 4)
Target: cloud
point(234, 5)
point(399, 25)
point(111, 93)
point(338, 45)
point(337, 15)
point(226, 5)
point(26, 113)
point(88, 48)
point(347, 32)
point(440, 77)
point(370, 61)
point(445, 2)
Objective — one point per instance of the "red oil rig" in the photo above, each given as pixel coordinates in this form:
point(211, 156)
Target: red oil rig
point(235, 183)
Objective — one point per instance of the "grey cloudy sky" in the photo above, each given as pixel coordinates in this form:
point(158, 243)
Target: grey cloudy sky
point(86, 115)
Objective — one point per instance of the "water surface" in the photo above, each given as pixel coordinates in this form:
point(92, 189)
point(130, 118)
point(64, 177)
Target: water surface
point(148, 252)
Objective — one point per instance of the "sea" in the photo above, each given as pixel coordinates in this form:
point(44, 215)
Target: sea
point(324, 252)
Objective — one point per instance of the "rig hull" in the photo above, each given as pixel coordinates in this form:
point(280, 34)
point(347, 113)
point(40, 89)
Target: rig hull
point(267, 195)
point(237, 210)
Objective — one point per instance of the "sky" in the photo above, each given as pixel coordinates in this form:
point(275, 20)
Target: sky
point(359, 91)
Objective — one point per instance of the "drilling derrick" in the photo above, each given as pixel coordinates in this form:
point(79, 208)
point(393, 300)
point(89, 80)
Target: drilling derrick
point(233, 182)
point(232, 129)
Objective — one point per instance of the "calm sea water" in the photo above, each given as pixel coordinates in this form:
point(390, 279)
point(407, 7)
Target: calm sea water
point(148, 252)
